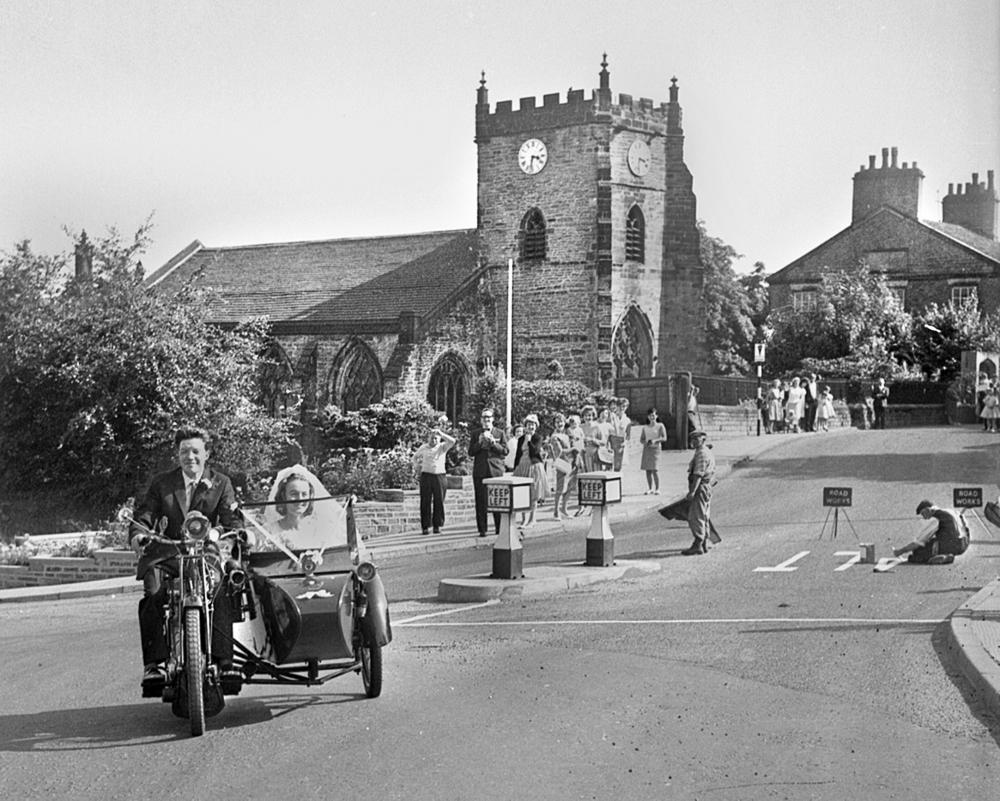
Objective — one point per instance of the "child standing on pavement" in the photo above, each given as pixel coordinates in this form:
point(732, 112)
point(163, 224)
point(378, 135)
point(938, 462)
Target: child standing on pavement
point(824, 409)
point(653, 433)
point(991, 409)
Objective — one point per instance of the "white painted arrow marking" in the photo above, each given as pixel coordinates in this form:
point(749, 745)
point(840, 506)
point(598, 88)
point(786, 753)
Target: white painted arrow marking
point(855, 558)
point(784, 567)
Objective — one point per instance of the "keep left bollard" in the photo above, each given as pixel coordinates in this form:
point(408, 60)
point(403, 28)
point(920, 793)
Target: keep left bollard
point(506, 495)
point(597, 490)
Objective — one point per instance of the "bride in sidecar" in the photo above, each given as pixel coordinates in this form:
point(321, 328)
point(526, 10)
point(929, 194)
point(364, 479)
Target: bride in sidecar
point(314, 606)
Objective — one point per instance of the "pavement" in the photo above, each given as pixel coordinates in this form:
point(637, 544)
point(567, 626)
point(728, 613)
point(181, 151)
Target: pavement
point(974, 628)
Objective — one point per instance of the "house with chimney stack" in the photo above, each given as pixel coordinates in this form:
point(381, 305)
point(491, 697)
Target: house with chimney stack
point(925, 261)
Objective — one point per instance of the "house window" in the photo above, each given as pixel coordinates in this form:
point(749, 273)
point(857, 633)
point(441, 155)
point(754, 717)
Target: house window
point(899, 292)
point(635, 235)
point(804, 300)
point(960, 295)
point(533, 236)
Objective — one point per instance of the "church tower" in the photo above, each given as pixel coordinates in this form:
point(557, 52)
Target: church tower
point(592, 202)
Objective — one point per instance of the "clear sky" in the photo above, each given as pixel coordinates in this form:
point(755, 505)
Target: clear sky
point(252, 121)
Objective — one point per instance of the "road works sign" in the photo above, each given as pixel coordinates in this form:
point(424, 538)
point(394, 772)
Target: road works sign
point(837, 496)
point(968, 497)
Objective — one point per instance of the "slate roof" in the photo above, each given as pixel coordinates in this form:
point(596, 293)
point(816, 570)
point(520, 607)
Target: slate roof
point(329, 280)
point(800, 270)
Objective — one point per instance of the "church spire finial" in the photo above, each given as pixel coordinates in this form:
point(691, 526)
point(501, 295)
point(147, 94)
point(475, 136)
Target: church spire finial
point(481, 93)
point(604, 92)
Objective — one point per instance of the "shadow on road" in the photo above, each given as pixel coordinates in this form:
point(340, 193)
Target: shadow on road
point(96, 728)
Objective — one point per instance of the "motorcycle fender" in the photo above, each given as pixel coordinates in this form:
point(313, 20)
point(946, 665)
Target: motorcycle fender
point(377, 617)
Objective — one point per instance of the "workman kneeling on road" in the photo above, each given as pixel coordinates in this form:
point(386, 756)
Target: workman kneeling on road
point(942, 543)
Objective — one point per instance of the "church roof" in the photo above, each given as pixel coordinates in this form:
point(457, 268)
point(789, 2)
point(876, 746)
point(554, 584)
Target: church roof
point(876, 226)
point(329, 280)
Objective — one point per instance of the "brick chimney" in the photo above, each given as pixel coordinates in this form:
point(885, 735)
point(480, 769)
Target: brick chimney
point(886, 185)
point(975, 208)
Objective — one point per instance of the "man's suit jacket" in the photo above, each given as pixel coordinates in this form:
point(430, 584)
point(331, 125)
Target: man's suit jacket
point(487, 458)
point(165, 499)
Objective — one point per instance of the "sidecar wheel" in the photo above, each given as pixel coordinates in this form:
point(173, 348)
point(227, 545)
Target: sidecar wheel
point(371, 669)
point(194, 671)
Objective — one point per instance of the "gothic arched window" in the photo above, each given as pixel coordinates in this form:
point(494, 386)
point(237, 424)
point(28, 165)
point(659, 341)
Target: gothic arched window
point(448, 385)
point(274, 374)
point(632, 345)
point(358, 381)
point(635, 235)
point(533, 236)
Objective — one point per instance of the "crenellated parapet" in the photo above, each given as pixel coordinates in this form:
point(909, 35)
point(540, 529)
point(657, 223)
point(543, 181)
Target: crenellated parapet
point(631, 113)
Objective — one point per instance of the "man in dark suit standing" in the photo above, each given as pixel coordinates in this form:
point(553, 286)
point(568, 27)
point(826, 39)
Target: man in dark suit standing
point(812, 401)
point(193, 486)
point(487, 449)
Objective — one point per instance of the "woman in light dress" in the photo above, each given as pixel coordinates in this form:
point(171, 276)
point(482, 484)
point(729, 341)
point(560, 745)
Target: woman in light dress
point(530, 463)
point(991, 409)
point(795, 406)
point(653, 433)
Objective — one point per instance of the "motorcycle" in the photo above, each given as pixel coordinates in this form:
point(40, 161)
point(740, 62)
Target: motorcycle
point(193, 683)
point(300, 616)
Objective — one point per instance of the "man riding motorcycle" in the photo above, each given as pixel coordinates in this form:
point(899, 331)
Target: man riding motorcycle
point(192, 486)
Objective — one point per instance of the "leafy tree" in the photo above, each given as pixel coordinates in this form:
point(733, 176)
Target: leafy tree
point(728, 308)
point(941, 333)
point(857, 317)
point(98, 372)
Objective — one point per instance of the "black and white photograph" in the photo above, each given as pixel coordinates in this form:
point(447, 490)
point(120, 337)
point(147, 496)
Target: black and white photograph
point(473, 400)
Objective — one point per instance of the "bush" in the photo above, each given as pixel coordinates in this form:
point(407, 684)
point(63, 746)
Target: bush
point(361, 472)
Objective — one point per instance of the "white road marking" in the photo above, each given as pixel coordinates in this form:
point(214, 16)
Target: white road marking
point(411, 620)
point(791, 621)
point(855, 558)
point(784, 567)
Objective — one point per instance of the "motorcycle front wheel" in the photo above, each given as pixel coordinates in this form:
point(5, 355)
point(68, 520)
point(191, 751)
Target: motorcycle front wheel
point(194, 671)
point(371, 669)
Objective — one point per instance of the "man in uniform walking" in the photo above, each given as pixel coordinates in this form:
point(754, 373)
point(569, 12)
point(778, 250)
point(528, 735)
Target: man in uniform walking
point(701, 477)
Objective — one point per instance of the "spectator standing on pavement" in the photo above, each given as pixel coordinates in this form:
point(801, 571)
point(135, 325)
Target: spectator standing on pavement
point(795, 406)
point(530, 463)
point(594, 438)
point(508, 461)
point(652, 434)
point(487, 449)
point(880, 401)
point(775, 406)
point(563, 459)
point(693, 415)
point(991, 409)
point(618, 433)
point(940, 543)
point(811, 386)
point(574, 431)
point(701, 477)
point(824, 409)
point(428, 461)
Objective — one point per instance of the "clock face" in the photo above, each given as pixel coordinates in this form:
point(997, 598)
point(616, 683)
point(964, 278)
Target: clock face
point(639, 157)
point(532, 156)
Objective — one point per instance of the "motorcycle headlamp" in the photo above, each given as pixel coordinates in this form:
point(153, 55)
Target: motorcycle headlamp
point(365, 571)
point(196, 526)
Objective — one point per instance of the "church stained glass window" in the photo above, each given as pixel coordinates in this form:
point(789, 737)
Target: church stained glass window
point(447, 388)
point(359, 378)
point(632, 346)
point(533, 236)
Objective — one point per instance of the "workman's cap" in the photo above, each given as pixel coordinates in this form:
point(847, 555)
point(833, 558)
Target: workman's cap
point(697, 433)
point(924, 504)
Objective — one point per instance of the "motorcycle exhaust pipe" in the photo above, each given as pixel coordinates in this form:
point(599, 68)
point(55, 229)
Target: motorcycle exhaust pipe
point(236, 574)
